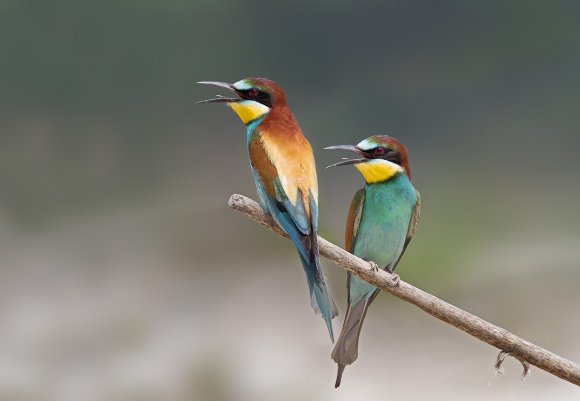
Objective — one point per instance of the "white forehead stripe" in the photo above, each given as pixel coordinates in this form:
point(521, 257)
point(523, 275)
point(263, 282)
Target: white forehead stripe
point(366, 145)
point(242, 85)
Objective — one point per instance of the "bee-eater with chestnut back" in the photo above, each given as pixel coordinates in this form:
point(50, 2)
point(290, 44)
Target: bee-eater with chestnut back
point(283, 167)
point(381, 221)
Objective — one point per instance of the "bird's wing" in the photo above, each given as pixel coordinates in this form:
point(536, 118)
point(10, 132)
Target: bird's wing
point(277, 177)
point(413, 223)
point(286, 173)
point(292, 159)
point(353, 219)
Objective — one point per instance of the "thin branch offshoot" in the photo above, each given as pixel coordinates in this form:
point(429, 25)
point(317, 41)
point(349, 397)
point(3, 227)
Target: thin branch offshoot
point(508, 343)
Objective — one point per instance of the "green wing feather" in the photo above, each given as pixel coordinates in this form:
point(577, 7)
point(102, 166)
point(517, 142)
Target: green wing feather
point(413, 223)
point(354, 218)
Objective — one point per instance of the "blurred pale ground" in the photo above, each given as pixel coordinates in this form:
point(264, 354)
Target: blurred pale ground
point(123, 276)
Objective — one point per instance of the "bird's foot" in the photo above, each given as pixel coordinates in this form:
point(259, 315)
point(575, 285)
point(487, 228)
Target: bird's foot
point(374, 266)
point(396, 278)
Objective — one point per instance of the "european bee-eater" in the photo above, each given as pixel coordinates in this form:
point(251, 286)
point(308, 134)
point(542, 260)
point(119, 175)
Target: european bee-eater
point(381, 221)
point(284, 170)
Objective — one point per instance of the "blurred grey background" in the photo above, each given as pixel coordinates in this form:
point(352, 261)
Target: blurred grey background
point(123, 275)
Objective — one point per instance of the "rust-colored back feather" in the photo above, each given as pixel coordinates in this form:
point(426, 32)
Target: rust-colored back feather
point(290, 153)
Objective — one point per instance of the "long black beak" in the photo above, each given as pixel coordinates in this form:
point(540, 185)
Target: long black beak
point(348, 161)
point(219, 98)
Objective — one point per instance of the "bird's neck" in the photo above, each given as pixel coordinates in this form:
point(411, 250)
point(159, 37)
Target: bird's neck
point(280, 119)
point(251, 128)
point(279, 122)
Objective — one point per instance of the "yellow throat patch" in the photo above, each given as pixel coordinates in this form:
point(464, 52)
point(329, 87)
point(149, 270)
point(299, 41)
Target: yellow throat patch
point(248, 110)
point(378, 170)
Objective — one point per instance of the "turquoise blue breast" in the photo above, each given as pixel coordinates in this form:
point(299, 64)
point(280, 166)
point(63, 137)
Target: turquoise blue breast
point(382, 232)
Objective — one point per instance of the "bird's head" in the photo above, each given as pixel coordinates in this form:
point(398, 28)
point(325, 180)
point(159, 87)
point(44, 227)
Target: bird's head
point(256, 97)
point(382, 157)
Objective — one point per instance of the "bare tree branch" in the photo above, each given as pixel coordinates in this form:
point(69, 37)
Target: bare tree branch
point(509, 343)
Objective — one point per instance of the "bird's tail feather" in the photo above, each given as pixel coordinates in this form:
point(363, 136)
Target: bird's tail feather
point(346, 349)
point(320, 296)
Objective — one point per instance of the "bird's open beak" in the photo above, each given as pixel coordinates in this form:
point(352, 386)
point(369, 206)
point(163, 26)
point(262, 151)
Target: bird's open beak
point(219, 98)
point(348, 161)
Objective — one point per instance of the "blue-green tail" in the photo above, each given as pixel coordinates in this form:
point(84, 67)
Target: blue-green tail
point(346, 349)
point(320, 297)
point(302, 232)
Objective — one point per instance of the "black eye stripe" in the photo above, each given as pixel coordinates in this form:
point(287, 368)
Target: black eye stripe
point(257, 95)
point(381, 152)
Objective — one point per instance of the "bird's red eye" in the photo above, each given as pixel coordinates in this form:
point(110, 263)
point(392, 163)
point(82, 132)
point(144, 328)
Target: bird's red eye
point(379, 151)
point(253, 92)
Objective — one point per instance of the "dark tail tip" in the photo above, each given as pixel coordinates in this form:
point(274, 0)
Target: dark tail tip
point(339, 375)
point(329, 324)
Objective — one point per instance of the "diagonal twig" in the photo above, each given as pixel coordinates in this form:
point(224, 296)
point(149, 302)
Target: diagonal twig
point(523, 350)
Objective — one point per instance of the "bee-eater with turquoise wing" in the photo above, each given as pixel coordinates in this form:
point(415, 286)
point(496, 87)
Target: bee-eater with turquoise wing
point(284, 170)
point(381, 221)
